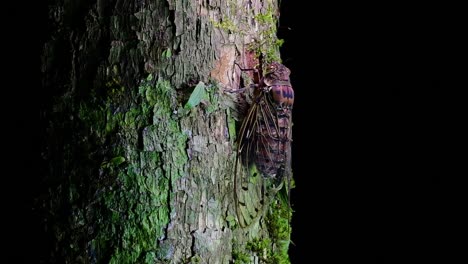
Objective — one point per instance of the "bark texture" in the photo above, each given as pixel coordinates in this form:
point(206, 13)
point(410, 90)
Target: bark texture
point(139, 133)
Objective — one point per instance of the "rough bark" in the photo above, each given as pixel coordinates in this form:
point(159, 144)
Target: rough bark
point(139, 133)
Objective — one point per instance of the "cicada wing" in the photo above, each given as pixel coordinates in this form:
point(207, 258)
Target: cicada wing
point(269, 153)
point(288, 168)
point(247, 183)
point(250, 200)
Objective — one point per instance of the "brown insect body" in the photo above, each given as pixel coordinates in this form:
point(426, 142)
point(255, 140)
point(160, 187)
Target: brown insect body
point(274, 129)
point(265, 138)
point(267, 127)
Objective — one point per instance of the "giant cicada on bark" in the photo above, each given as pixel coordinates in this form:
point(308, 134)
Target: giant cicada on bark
point(264, 138)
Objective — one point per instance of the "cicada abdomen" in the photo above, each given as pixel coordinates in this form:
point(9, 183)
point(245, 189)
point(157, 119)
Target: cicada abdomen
point(265, 134)
point(273, 133)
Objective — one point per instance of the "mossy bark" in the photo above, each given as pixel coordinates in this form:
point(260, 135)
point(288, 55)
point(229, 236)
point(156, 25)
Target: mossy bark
point(139, 163)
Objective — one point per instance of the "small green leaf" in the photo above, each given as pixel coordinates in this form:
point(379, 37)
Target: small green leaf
point(231, 220)
point(117, 160)
point(279, 42)
point(104, 164)
point(198, 94)
point(231, 125)
point(167, 53)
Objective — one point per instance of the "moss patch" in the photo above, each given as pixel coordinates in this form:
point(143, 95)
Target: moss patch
point(278, 224)
point(124, 217)
point(269, 44)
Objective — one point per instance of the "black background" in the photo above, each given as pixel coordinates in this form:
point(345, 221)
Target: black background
point(368, 84)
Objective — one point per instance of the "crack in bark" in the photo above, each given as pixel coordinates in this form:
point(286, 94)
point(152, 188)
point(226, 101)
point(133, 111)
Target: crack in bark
point(192, 246)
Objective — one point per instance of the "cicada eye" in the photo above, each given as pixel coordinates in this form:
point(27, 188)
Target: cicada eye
point(272, 67)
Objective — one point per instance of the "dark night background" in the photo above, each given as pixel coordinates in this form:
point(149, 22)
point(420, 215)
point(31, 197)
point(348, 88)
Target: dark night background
point(368, 187)
point(365, 79)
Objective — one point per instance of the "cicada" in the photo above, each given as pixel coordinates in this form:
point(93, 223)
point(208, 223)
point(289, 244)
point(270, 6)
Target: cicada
point(265, 135)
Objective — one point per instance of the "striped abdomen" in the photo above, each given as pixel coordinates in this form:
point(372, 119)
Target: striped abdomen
point(274, 129)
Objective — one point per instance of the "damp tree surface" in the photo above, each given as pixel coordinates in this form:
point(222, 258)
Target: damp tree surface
point(139, 133)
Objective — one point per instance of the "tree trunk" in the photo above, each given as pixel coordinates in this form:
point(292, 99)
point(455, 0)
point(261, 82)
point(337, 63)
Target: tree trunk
point(139, 133)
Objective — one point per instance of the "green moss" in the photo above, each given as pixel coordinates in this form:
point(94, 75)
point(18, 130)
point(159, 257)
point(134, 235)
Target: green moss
point(231, 221)
point(132, 209)
point(213, 98)
point(167, 53)
point(195, 259)
point(259, 246)
point(231, 125)
point(139, 212)
point(239, 257)
point(269, 44)
point(226, 24)
point(278, 224)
